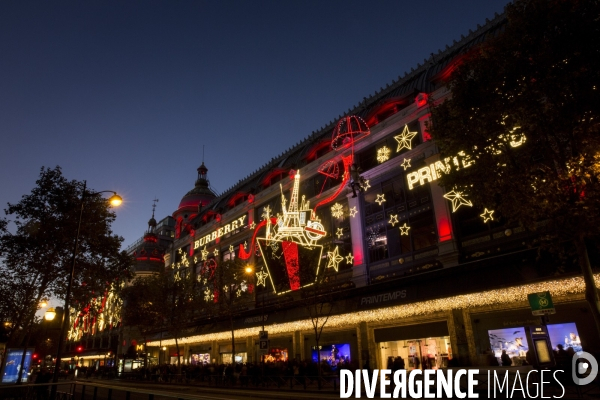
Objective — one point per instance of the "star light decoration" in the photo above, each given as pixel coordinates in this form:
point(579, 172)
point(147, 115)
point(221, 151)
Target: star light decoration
point(261, 278)
point(337, 210)
point(353, 212)
point(334, 258)
point(204, 256)
point(339, 233)
point(380, 199)
point(365, 184)
point(349, 259)
point(487, 215)
point(383, 154)
point(253, 225)
point(404, 229)
point(393, 220)
point(216, 252)
point(510, 295)
point(457, 200)
point(405, 139)
point(406, 163)
point(231, 248)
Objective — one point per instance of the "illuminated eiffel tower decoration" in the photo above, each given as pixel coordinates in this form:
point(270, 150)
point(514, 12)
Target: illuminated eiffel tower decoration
point(296, 224)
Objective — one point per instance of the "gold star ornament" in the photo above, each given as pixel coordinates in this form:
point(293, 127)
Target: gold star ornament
point(261, 278)
point(457, 199)
point(350, 259)
point(334, 258)
point(393, 220)
point(380, 199)
point(405, 139)
point(406, 163)
point(404, 229)
point(487, 215)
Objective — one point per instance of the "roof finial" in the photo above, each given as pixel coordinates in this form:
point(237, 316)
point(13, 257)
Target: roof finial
point(202, 154)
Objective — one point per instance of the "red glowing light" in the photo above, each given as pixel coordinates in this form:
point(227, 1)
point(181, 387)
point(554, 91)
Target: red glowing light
point(347, 162)
point(290, 253)
point(348, 131)
point(444, 229)
point(421, 99)
point(243, 254)
point(313, 153)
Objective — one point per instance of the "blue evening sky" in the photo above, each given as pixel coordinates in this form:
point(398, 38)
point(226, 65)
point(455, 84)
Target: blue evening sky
point(125, 94)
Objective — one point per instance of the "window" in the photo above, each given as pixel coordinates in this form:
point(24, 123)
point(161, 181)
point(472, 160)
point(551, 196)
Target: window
point(410, 210)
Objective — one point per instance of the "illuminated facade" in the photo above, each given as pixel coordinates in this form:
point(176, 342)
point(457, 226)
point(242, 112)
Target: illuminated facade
point(414, 269)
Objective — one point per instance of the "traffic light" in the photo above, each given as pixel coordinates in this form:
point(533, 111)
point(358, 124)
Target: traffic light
point(34, 356)
point(79, 349)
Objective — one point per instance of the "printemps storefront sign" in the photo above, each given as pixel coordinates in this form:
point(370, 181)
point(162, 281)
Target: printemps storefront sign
point(224, 230)
point(433, 171)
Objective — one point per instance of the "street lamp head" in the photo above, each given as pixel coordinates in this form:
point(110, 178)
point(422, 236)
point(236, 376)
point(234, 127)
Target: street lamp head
point(50, 314)
point(43, 303)
point(249, 269)
point(115, 200)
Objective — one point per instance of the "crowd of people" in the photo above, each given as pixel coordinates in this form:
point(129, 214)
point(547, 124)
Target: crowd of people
point(244, 374)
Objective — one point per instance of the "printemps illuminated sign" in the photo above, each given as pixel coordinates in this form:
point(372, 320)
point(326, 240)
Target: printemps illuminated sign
point(224, 230)
point(433, 171)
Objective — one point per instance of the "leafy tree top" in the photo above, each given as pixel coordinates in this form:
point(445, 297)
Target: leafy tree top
point(535, 84)
point(37, 253)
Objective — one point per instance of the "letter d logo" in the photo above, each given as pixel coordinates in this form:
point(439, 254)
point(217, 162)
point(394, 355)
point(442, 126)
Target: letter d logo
point(587, 363)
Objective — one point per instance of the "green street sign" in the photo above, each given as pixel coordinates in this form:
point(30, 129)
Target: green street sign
point(541, 303)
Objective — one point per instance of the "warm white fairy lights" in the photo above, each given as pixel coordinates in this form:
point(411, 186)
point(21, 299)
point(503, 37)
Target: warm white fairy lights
point(337, 210)
point(517, 294)
point(383, 154)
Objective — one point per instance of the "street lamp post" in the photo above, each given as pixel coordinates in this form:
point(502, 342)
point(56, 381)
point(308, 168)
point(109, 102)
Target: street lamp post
point(115, 200)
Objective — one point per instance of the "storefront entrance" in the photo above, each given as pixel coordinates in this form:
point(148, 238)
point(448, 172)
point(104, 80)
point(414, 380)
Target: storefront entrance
point(426, 353)
point(423, 346)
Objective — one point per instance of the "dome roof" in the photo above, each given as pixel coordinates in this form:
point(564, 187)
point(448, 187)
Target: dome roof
point(201, 193)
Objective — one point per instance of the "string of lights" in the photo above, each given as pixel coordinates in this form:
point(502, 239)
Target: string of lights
point(558, 288)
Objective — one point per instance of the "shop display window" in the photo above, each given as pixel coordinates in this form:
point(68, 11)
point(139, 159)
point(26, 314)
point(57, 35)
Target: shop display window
point(200, 359)
point(276, 354)
point(565, 334)
point(239, 358)
point(427, 353)
point(332, 354)
point(514, 341)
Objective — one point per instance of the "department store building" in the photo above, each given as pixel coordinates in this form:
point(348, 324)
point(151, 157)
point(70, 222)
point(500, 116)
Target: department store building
point(411, 268)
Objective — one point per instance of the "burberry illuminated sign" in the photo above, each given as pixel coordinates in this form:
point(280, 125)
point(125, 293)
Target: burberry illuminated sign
point(224, 230)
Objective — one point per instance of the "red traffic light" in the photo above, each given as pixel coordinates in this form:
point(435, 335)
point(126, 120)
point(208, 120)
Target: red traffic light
point(79, 349)
point(34, 356)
